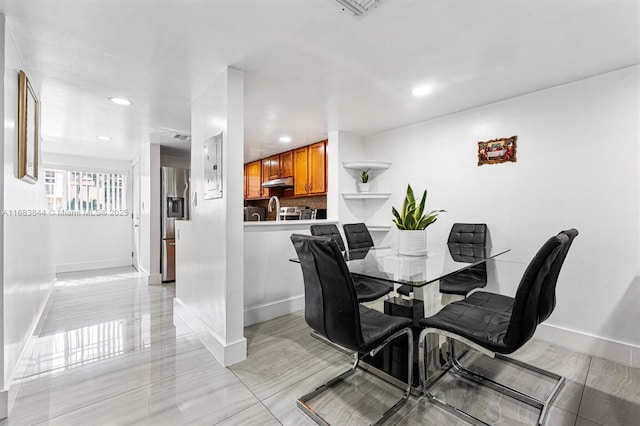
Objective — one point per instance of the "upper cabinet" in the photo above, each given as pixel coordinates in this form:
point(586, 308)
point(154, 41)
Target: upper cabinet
point(253, 180)
point(286, 164)
point(310, 169)
point(307, 166)
point(278, 166)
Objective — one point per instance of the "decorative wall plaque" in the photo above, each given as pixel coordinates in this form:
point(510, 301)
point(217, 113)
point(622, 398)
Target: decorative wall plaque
point(497, 151)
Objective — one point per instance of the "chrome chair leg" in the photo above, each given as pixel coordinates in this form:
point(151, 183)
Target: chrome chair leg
point(542, 405)
point(303, 400)
point(455, 366)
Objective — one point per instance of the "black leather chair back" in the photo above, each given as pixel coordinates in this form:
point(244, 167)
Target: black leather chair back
point(328, 230)
point(358, 236)
point(468, 233)
point(539, 280)
point(331, 305)
point(548, 293)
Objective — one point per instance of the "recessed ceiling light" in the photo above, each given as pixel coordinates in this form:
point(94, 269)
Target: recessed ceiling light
point(104, 138)
point(421, 91)
point(120, 101)
point(285, 139)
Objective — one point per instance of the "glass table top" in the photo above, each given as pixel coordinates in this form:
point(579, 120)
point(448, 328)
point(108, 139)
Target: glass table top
point(418, 269)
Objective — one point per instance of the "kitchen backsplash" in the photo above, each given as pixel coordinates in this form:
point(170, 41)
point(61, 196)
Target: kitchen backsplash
point(316, 202)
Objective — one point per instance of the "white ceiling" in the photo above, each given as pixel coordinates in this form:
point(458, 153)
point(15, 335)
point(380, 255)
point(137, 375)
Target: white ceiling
point(309, 66)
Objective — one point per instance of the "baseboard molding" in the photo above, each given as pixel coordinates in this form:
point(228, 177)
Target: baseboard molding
point(94, 264)
point(155, 279)
point(4, 404)
point(618, 352)
point(227, 353)
point(267, 311)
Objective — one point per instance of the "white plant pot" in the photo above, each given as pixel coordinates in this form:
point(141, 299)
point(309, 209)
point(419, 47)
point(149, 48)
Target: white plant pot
point(412, 242)
point(362, 187)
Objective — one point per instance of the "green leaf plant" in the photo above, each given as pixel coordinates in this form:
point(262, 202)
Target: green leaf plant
point(364, 176)
point(413, 217)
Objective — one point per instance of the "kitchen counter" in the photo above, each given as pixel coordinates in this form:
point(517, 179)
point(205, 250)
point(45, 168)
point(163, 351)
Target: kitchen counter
point(269, 225)
point(272, 285)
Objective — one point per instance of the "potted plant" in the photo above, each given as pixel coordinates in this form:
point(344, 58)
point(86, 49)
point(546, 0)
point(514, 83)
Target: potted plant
point(363, 181)
point(412, 222)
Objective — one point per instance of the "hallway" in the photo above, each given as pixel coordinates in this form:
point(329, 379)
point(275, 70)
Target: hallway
point(108, 352)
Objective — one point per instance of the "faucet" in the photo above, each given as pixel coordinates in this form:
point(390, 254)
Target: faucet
point(270, 206)
point(256, 214)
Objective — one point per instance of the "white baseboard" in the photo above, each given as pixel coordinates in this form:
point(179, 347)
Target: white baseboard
point(267, 311)
point(94, 264)
point(618, 352)
point(155, 279)
point(152, 279)
point(4, 404)
point(226, 353)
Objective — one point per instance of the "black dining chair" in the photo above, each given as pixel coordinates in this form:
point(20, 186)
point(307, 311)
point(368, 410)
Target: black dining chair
point(367, 289)
point(359, 240)
point(495, 324)
point(463, 237)
point(358, 236)
point(333, 311)
point(328, 230)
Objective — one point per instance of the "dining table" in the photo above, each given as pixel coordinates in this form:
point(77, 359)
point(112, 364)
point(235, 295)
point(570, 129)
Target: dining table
point(420, 271)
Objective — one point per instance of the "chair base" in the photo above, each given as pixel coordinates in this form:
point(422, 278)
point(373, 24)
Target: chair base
point(455, 366)
point(302, 402)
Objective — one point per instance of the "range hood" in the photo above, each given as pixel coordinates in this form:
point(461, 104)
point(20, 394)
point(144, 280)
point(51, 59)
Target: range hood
point(278, 183)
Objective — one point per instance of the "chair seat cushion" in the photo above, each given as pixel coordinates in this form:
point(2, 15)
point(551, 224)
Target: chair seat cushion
point(462, 282)
point(369, 289)
point(376, 327)
point(490, 301)
point(482, 318)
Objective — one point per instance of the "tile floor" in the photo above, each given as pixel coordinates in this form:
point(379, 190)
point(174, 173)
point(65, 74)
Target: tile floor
point(107, 351)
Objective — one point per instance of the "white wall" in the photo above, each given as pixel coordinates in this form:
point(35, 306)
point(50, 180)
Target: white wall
point(209, 247)
point(273, 286)
point(150, 212)
point(578, 165)
point(27, 252)
point(91, 242)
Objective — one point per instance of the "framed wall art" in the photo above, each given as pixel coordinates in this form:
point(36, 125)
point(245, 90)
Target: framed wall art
point(213, 167)
point(28, 130)
point(497, 151)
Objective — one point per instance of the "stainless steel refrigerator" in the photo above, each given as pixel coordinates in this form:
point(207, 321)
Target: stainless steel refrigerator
point(175, 206)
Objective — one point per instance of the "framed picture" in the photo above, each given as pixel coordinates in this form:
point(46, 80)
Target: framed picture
point(28, 130)
point(213, 167)
point(497, 151)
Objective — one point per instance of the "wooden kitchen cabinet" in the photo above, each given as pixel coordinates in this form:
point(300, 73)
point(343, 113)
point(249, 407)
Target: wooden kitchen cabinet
point(310, 168)
point(271, 167)
point(253, 180)
point(278, 166)
point(286, 164)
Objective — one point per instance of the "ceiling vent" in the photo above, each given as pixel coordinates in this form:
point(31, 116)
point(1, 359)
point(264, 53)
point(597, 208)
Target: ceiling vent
point(357, 7)
point(181, 138)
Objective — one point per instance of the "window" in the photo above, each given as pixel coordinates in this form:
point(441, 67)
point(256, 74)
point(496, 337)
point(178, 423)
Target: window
point(85, 191)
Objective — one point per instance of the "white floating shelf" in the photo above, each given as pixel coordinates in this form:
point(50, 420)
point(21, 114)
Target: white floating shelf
point(365, 195)
point(378, 228)
point(362, 165)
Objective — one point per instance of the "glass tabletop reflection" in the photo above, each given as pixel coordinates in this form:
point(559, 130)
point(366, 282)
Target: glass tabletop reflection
point(419, 268)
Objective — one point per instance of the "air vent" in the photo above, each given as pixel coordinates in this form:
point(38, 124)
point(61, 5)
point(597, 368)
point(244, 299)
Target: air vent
point(357, 7)
point(181, 138)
